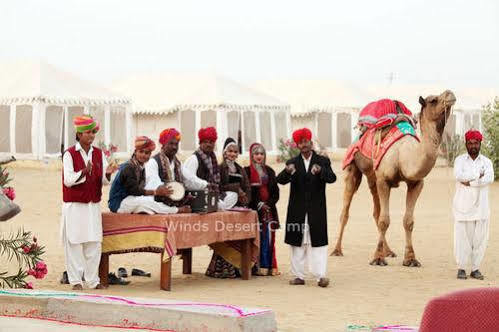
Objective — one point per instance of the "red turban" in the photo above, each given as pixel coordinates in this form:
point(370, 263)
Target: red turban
point(144, 143)
point(300, 134)
point(207, 134)
point(168, 134)
point(473, 134)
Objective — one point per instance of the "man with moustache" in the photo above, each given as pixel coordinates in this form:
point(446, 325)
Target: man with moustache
point(474, 173)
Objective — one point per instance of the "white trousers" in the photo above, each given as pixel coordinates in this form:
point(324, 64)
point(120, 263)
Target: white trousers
point(470, 242)
point(145, 204)
point(83, 259)
point(229, 201)
point(316, 257)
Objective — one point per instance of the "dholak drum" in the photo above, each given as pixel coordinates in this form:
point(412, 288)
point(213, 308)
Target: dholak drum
point(178, 190)
point(203, 201)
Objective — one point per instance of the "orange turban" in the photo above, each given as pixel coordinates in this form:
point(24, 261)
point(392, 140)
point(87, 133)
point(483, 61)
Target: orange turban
point(207, 134)
point(144, 143)
point(301, 134)
point(473, 134)
point(167, 134)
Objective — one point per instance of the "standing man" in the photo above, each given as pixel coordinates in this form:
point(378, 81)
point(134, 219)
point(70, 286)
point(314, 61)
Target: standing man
point(306, 221)
point(474, 172)
point(85, 171)
point(201, 170)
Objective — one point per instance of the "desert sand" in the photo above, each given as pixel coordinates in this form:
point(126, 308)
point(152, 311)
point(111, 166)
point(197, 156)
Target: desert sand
point(359, 293)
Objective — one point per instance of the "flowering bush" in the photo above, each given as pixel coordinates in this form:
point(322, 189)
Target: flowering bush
point(490, 146)
point(108, 150)
point(26, 250)
point(287, 150)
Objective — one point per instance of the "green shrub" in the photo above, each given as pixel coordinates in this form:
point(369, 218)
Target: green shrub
point(490, 145)
point(451, 147)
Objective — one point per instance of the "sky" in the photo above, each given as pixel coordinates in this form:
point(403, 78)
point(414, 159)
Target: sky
point(366, 42)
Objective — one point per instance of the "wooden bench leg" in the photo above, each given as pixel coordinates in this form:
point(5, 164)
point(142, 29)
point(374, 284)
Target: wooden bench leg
point(246, 259)
point(166, 274)
point(104, 269)
point(187, 261)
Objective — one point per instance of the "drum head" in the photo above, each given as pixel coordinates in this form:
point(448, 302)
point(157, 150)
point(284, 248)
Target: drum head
point(178, 190)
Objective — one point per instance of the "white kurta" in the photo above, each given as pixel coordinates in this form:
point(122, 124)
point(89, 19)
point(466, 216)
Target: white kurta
point(153, 181)
point(81, 226)
point(471, 210)
point(192, 182)
point(316, 257)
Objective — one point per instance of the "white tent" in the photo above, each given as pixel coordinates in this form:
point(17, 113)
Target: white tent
point(193, 101)
point(38, 103)
point(330, 108)
point(466, 112)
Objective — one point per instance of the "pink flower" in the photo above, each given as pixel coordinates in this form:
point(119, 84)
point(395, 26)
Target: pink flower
point(28, 285)
point(26, 249)
point(10, 193)
point(40, 270)
point(114, 148)
point(107, 153)
point(40, 265)
point(31, 272)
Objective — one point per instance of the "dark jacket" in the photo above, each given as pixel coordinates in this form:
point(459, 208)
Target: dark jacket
point(307, 196)
point(225, 184)
point(273, 193)
point(125, 184)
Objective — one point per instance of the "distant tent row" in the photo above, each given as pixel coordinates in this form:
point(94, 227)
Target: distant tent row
point(39, 101)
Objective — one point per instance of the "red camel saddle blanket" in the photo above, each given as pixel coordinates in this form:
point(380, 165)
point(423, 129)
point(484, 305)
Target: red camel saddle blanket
point(368, 144)
point(382, 113)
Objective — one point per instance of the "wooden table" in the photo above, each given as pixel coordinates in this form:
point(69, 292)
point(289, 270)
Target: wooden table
point(176, 234)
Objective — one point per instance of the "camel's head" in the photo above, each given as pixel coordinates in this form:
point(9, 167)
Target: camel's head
point(437, 108)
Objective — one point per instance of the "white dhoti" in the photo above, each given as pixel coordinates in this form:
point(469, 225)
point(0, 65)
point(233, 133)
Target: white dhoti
point(316, 257)
point(145, 204)
point(470, 242)
point(229, 200)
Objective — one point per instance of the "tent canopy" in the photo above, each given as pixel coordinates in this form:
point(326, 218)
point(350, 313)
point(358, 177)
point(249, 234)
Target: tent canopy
point(165, 93)
point(29, 81)
point(308, 96)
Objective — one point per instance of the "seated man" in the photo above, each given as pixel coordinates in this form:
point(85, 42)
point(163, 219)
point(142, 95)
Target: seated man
point(201, 170)
point(128, 193)
point(164, 166)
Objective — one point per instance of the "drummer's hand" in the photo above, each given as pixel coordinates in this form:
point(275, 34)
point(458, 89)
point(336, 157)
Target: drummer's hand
point(164, 191)
point(184, 209)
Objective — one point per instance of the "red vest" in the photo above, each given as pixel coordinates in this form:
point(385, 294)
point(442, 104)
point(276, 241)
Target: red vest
point(91, 189)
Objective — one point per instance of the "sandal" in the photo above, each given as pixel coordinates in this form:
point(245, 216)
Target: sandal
point(114, 280)
point(122, 273)
point(140, 273)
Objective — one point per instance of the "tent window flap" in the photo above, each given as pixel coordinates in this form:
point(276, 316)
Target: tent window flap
point(23, 128)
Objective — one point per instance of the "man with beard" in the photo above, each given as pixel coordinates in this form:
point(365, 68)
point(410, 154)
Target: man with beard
point(306, 221)
point(474, 172)
point(201, 170)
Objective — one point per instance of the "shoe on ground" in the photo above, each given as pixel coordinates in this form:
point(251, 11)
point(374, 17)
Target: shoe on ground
point(323, 282)
point(114, 280)
point(477, 275)
point(297, 281)
point(140, 273)
point(122, 273)
point(461, 274)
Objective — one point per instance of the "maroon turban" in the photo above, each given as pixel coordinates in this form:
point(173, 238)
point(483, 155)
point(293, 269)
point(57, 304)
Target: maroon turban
point(167, 134)
point(473, 134)
point(300, 134)
point(207, 134)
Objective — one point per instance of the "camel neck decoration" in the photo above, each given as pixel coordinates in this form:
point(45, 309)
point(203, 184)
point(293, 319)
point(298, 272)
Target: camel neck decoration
point(407, 160)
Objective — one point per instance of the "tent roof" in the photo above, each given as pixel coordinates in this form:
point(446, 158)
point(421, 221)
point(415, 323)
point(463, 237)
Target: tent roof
point(29, 81)
point(307, 96)
point(468, 99)
point(167, 92)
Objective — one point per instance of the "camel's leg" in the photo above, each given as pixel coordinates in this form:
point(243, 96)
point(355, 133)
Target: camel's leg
point(353, 177)
point(371, 179)
point(383, 221)
point(413, 191)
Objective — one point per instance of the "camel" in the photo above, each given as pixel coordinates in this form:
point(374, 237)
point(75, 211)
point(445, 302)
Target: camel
point(406, 160)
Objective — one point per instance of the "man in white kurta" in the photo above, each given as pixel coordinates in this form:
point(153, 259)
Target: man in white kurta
point(474, 173)
point(81, 226)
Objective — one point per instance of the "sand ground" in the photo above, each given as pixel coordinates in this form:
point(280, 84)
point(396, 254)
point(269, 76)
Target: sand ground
point(359, 294)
